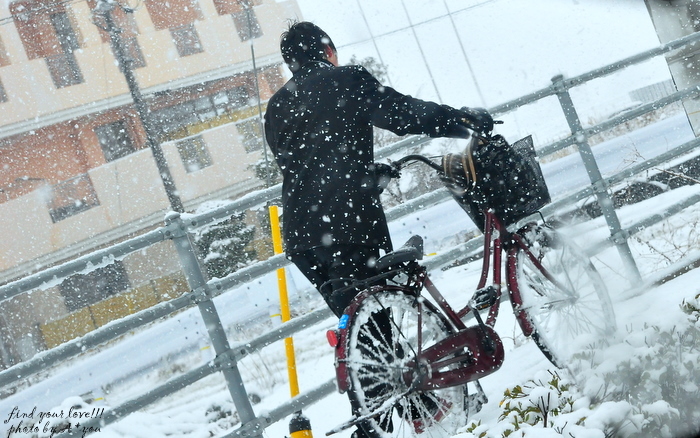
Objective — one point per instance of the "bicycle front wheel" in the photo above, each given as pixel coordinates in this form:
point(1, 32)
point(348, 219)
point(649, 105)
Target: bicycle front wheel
point(557, 294)
point(384, 334)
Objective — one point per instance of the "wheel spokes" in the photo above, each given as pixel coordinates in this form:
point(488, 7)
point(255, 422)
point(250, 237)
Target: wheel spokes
point(561, 294)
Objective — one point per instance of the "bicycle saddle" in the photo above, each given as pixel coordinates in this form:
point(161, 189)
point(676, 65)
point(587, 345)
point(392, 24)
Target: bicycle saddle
point(410, 251)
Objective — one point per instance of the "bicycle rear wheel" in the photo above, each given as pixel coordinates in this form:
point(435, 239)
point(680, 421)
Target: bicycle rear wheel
point(383, 336)
point(568, 307)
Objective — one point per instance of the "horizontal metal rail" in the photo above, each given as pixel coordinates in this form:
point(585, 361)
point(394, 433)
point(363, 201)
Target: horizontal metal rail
point(597, 73)
point(127, 324)
point(284, 410)
point(620, 119)
point(647, 222)
point(239, 352)
point(82, 264)
point(117, 413)
point(265, 196)
point(90, 340)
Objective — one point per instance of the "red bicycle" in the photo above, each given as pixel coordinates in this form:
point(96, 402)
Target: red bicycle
point(405, 359)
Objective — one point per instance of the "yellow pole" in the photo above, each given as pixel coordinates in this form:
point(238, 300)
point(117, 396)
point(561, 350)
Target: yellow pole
point(284, 301)
point(299, 425)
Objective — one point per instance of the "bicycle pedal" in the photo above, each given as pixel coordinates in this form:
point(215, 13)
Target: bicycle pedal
point(484, 298)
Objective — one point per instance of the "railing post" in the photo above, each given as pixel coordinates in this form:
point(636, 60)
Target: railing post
point(617, 235)
point(225, 359)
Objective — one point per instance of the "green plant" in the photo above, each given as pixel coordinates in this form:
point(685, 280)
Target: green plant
point(536, 402)
point(476, 429)
point(692, 307)
point(267, 171)
point(224, 246)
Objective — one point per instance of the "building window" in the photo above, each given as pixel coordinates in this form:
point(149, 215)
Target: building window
point(3, 95)
point(72, 197)
point(44, 27)
point(115, 140)
point(174, 117)
point(194, 153)
point(236, 97)
point(229, 100)
point(64, 67)
point(64, 70)
point(205, 108)
point(251, 135)
point(186, 40)
point(64, 32)
point(81, 290)
point(246, 23)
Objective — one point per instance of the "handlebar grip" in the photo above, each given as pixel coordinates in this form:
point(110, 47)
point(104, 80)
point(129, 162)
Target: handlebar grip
point(401, 161)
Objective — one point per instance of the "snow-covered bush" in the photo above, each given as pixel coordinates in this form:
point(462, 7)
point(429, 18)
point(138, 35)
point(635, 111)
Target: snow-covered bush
point(549, 406)
point(692, 308)
point(655, 370)
point(223, 416)
point(267, 171)
point(225, 246)
point(537, 402)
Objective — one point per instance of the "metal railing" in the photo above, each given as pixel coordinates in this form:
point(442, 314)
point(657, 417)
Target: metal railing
point(178, 228)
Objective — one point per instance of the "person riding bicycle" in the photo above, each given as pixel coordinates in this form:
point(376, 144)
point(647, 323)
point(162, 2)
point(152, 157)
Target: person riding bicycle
point(319, 128)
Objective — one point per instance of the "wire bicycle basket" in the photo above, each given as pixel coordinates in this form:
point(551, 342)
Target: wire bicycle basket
point(492, 174)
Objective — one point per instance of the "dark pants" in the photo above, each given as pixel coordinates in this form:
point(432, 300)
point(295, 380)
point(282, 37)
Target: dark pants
point(343, 262)
point(336, 262)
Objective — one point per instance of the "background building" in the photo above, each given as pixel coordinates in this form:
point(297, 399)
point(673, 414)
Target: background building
point(76, 172)
point(672, 20)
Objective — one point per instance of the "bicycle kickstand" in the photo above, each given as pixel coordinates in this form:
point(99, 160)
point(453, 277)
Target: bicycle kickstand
point(476, 401)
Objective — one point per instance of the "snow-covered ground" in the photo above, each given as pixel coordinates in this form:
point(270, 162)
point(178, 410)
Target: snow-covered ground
point(205, 409)
point(200, 411)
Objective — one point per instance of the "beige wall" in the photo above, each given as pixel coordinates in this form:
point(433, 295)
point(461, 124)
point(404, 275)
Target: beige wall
point(231, 164)
point(130, 192)
point(156, 261)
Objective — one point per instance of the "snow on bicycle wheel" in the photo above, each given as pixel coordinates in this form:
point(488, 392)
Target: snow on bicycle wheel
point(565, 305)
point(383, 338)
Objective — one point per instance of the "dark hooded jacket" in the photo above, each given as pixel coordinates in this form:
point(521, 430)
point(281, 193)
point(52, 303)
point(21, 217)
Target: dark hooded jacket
point(319, 127)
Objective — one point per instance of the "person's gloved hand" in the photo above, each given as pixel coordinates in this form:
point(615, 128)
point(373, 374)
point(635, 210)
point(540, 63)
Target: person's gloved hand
point(383, 174)
point(477, 119)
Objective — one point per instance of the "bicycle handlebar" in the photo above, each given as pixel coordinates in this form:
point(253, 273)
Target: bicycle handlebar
point(399, 164)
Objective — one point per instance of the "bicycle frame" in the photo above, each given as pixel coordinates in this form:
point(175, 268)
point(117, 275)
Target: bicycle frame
point(471, 352)
point(399, 352)
point(492, 260)
point(468, 354)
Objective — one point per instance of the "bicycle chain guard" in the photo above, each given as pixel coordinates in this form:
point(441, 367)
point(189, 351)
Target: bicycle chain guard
point(465, 356)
